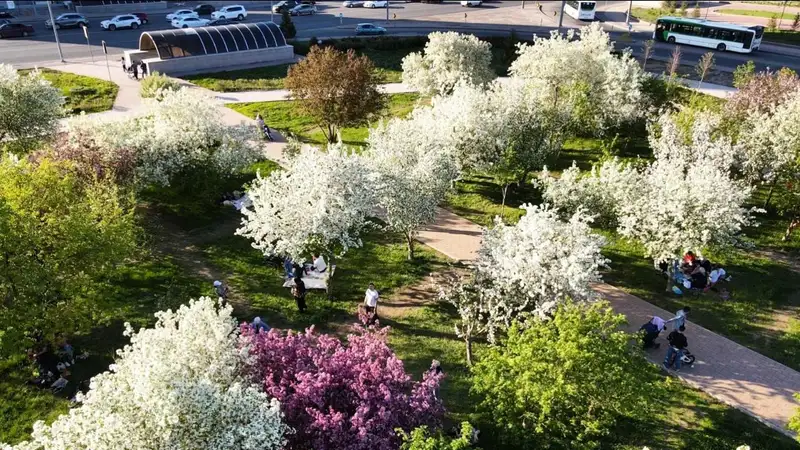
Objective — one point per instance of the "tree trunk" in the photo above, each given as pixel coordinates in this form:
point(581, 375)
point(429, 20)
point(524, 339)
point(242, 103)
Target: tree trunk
point(329, 283)
point(523, 177)
point(410, 244)
point(769, 195)
point(503, 205)
point(331, 133)
point(792, 225)
point(670, 274)
point(468, 341)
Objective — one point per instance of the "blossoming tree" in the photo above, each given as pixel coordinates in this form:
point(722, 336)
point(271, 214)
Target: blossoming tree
point(328, 214)
point(602, 89)
point(339, 395)
point(537, 263)
point(29, 108)
point(412, 179)
point(181, 135)
point(449, 58)
point(177, 385)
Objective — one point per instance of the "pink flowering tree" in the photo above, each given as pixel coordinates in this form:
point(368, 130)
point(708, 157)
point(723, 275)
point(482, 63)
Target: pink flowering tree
point(339, 395)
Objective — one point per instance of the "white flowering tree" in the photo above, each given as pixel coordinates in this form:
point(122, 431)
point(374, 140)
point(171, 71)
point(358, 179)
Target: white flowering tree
point(449, 58)
point(537, 263)
point(320, 202)
point(180, 134)
point(473, 303)
point(600, 191)
point(413, 179)
point(177, 385)
point(602, 89)
point(29, 108)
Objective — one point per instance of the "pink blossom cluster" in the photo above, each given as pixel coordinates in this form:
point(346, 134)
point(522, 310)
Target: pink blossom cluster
point(341, 396)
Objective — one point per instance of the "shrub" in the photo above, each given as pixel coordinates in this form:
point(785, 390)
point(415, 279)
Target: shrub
point(155, 85)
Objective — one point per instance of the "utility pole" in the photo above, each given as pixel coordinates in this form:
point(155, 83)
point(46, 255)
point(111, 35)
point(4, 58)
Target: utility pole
point(55, 31)
point(561, 16)
point(628, 15)
point(387, 11)
point(271, 14)
point(88, 45)
point(523, 4)
point(782, 12)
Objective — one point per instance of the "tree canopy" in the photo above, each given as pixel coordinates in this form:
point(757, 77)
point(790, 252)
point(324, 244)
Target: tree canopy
point(29, 109)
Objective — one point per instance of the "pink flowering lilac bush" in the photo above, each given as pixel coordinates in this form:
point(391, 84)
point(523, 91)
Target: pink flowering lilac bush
point(343, 396)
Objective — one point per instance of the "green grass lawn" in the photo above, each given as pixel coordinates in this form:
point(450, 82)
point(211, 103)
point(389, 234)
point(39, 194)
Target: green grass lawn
point(83, 94)
point(286, 118)
point(755, 13)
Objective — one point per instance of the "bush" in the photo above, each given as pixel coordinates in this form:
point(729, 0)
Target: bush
point(154, 85)
point(421, 439)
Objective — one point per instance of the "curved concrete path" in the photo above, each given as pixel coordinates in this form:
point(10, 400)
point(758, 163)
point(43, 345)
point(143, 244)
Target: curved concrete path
point(727, 371)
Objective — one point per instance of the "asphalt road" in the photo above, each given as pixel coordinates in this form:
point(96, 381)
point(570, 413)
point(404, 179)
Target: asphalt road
point(40, 49)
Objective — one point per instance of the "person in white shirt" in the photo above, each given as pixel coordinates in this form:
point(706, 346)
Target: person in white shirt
point(319, 263)
point(371, 301)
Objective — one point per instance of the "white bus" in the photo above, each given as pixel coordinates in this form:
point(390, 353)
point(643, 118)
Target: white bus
point(580, 10)
point(706, 33)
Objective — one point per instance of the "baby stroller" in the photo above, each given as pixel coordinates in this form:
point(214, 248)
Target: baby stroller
point(267, 132)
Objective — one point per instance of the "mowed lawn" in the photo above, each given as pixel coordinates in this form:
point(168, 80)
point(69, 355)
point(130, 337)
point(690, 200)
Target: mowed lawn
point(286, 117)
point(82, 93)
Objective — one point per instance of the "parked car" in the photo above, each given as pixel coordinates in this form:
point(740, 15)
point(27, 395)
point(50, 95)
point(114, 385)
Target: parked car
point(9, 30)
point(121, 21)
point(303, 10)
point(69, 20)
point(204, 9)
point(470, 3)
point(189, 22)
point(284, 6)
point(142, 17)
point(181, 13)
point(219, 22)
point(6, 15)
point(4, 21)
point(368, 28)
point(230, 12)
point(352, 4)
point(377, 4)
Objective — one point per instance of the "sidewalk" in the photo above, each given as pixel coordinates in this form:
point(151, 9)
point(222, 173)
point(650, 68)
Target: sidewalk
point(727, 371)
point(278, 95)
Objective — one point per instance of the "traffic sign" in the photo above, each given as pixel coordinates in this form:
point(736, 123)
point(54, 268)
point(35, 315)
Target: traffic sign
point(85, 31)
point(105, 49)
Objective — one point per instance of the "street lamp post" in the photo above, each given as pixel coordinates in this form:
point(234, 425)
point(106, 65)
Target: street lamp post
point(271, 13)
point(387, 11)
point(55, 31)
point(561, 16)
point(628, 15)
point(782, 12)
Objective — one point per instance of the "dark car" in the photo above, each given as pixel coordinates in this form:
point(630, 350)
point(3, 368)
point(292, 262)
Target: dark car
point(219, 22)
point(204, 9)
point(9, 30)
point(142, 17)
point(69, 20)
point(6, 15)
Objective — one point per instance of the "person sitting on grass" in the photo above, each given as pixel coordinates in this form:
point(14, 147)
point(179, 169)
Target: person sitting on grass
point(259, 325)
point(319, 263)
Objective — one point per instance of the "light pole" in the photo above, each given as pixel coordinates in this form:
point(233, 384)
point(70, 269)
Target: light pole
point(387, 11)
point(271, 18)
point(628, 15)
point(561, 16)
point(782, 12)
point(55, 31)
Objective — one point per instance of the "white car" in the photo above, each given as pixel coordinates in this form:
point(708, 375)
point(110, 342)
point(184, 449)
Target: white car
point(352, 3)
point(377, 4)
point(469, 3)
point(189, 22)
point(230, 12)
point(122, 21)
point(181, 13)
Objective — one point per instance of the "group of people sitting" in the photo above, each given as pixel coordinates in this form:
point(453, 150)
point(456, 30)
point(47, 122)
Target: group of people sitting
point(698, 273)
point(53, 364)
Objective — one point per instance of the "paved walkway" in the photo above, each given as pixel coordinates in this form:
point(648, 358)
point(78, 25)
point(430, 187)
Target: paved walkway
point(726, 370)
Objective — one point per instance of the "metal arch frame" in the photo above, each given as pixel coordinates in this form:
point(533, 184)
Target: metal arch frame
point(152, 41)
point(238, 27)
point(222, 38)
point(266, 44)
point(157, 39)
point(213, 41)
point(272, 27)
point(255, 40)
point(197, 35)
point(234, 39)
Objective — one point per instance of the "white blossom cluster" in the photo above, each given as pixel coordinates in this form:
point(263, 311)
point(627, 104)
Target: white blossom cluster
point(29, 106)
point(176, 386)
point(537, 263)
point(321, 201)
point(602, 89)
point(601, 191)
point(449, 59)
point(181, 131)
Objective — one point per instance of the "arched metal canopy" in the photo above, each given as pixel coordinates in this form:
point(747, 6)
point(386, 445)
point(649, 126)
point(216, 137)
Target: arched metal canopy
point(211, 40)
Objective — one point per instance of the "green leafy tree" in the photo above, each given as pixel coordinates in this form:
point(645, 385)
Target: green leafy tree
point(287, 26)
point(696, 11)
point(564, 381)
point(684, 8)
point(796, 22)
point(421, 439)
point(744, 73)
point(336, 89)
point(794, 422)
point(59, 235)
point(772, 23)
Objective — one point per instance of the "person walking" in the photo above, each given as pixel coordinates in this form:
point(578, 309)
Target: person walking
point(677, 343)
point(371, 302)
point(680, 317)
point(222, 291)
point(124, 66)
point(299, 294)
point(144, 69)
point(135, 69)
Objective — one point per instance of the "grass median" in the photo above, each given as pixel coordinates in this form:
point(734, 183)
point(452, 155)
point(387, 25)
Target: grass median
point(82, 93)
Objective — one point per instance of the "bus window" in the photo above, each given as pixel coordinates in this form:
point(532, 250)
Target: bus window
point(748, 39)
point(587, 6)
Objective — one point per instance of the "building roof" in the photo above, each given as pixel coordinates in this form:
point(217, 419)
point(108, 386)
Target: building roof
point(238, 37)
